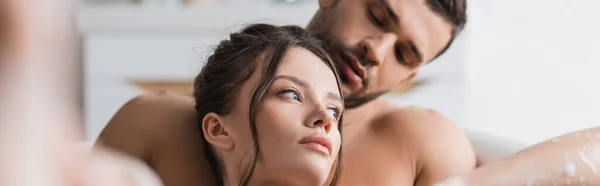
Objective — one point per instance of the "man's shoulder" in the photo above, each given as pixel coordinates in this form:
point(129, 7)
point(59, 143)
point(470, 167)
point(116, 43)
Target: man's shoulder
point(438, 145)
point(159, 111)
point(425, 128)
point(163, 100)
point(162, 108)
point(413, 119)
point(161, 128)
point(147, 119)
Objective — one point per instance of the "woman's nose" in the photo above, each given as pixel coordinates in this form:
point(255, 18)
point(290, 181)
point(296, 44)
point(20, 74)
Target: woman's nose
point(321, 118)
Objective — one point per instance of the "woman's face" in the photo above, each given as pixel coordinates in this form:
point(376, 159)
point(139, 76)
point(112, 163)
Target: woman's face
point(297, 122)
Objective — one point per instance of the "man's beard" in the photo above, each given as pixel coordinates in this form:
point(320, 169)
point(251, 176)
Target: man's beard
point(321, 27)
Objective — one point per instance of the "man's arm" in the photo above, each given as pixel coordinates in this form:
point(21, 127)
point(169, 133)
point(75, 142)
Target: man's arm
point(160, 128)
point(571, 159)
point(441, 149)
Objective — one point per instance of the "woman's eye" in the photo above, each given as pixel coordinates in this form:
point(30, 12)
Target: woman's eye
point(334, 112)
point(291, 94)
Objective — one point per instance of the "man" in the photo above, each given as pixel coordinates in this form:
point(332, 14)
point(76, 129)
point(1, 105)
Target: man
point(377, 45)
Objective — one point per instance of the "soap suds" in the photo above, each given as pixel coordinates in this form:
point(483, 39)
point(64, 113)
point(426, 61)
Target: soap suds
point(453, 181)
point(534, 180)
point(570, 169)
point(555, 140)
point(587, 162)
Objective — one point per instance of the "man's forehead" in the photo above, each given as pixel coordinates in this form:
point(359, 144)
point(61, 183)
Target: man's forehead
point(395, 3)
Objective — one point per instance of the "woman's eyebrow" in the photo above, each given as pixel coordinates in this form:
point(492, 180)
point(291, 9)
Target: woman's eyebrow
point(295, 80)
point(334, 96)
point(304, 84)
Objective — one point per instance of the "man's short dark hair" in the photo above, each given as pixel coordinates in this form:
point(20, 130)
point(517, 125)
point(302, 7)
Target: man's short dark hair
point(453, 11)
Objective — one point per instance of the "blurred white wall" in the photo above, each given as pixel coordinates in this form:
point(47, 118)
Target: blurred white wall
point(533, 67)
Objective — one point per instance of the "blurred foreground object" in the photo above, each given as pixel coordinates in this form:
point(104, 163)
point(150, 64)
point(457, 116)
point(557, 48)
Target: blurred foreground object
point(39, 123)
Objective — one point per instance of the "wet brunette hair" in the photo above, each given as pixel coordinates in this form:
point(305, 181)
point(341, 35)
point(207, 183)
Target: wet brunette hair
point(256, 47)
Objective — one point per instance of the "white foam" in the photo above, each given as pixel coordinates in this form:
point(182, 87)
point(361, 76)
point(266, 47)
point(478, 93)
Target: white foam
point(555, 140)
point(453, 181)
point(587, 162)
point(570, 169)
point(533, 181)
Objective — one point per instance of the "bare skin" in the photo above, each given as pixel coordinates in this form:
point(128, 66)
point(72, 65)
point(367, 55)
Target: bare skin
point(387, 146)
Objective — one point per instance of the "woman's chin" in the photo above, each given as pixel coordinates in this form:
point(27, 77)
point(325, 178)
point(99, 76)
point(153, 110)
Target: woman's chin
point(318, 171)
point(308, 168)
point(315, 178)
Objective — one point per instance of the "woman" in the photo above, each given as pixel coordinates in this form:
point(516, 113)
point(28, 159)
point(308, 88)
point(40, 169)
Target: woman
point(270, 106)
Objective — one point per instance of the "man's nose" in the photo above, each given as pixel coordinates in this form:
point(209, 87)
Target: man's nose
point(376, 49)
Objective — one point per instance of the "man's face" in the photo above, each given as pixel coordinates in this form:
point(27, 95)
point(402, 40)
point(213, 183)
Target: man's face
point(379, 44)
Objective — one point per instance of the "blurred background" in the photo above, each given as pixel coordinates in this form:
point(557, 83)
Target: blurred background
point(524, 70)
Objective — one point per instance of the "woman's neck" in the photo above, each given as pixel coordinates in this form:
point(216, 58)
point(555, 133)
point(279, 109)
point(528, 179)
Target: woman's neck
point(263, 183)
point(233, 175)
point(266, 180)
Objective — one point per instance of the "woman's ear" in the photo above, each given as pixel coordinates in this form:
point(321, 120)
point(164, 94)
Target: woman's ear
point(326, 3)
point(216, 133)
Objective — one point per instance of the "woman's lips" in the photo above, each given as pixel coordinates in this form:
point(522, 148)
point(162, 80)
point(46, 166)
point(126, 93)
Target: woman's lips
point(319, 143)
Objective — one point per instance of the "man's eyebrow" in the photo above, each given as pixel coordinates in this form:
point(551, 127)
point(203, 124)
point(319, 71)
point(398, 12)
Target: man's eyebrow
point(295, 80)
point(390, 11)
point(415, 51)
